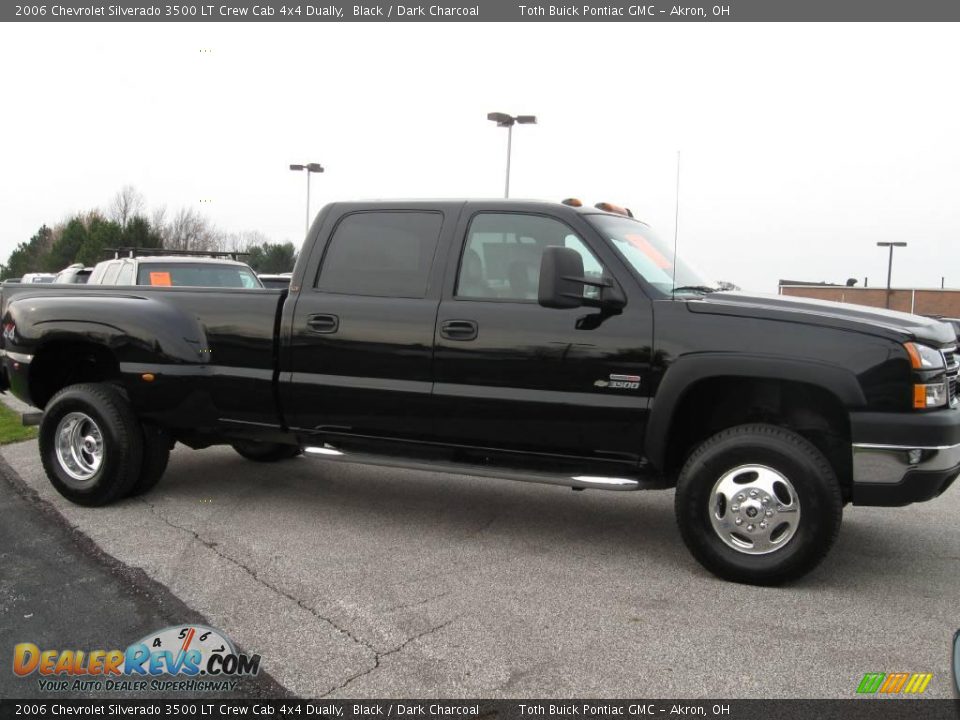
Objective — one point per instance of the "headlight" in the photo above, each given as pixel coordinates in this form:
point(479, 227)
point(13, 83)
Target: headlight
point(923, 357)
point(931, 395)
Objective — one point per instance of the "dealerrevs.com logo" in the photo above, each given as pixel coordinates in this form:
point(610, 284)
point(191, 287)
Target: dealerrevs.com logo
point(189, 658)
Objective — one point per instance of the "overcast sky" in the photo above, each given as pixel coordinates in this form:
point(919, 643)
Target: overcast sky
point(802, 145)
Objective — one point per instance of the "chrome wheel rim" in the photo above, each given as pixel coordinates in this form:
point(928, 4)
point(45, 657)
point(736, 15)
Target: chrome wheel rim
point(79, 449)
point(754, 509)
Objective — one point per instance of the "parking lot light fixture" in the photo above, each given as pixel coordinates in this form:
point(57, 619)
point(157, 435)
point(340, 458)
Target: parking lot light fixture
point(310, 168)
point(508, 121)
point(890, 245)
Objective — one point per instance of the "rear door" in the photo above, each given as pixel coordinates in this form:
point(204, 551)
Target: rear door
point(513, 375)
point(360, 358)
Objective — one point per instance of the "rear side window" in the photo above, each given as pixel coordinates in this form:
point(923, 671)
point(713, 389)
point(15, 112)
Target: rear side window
point(381, 254)
point(196, 275)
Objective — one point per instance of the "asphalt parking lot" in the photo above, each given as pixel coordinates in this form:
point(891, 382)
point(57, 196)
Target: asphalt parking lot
point(370, 582)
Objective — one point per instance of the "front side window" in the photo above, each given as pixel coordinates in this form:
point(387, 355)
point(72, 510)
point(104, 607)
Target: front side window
point(381, 254)
point(501, 257)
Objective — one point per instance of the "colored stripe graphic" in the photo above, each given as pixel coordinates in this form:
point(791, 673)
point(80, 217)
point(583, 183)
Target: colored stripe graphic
point(912, 683)
point(871, 682)
point(918, 683)
point(894, 682)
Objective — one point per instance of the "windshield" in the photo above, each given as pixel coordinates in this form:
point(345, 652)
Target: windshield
point(197, 275)
point(640, 247)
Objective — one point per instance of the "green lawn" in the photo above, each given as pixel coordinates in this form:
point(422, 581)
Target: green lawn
point(10, 428)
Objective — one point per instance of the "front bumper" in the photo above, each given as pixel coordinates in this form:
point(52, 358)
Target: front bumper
point(900, 459)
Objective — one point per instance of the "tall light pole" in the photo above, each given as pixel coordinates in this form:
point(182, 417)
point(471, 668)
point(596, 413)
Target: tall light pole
point(310, 168)
point(508, 121)
point(890, 245)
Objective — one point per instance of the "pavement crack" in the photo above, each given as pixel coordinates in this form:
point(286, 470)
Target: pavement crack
point(215, 548)
point(379, 656)
point(417, 603)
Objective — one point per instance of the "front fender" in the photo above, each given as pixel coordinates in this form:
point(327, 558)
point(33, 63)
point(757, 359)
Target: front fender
point(687, 370)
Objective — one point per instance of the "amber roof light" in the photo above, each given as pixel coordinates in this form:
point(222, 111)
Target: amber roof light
point(616, 209)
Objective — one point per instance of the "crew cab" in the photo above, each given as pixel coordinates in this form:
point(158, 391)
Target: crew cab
point(547, 342)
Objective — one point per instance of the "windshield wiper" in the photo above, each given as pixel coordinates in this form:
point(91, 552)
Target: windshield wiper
point(702, 289)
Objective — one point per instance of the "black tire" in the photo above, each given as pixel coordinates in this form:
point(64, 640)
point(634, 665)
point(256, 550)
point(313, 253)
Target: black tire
point(265, 452)
point(107, 474)
point(156, 454)
point(730, 457)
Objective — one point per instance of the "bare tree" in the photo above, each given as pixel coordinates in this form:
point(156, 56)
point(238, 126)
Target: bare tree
point(189, 230)
point(126, 203)
point(244, 240)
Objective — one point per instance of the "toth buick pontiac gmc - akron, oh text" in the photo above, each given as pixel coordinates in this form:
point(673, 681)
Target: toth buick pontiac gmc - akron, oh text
point(546, 342)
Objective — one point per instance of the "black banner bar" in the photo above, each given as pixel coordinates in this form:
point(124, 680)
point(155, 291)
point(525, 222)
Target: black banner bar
point(482, 11)
point(865, 709)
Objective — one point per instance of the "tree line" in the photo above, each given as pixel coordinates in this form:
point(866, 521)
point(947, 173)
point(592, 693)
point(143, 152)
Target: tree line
point(85, 237)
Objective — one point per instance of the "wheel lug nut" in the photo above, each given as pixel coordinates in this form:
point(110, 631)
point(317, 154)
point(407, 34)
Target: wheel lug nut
point(739, 521)
point(763, 524)
point(765, 500)
point(753, 493)
point(741, 497)
point(769, 513)
point(749, 528)
point(735, 508)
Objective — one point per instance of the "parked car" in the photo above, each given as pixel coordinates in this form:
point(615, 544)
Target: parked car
point(38, 278)
point(952, 322)
point(175, 271)
point(279, 280)
point(75, 274)
point(536, 341)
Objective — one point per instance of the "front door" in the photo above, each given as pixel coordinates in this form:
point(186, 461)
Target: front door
point(513, 375)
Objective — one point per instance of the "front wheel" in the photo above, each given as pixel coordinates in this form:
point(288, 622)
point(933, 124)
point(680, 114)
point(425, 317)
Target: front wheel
point(265, 452)
point(91, 444)
point(758, 504)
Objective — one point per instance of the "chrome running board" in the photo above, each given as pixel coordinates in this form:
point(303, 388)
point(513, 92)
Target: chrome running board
point(580, 482)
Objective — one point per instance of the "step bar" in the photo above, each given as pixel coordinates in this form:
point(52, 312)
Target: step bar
point(577, 482)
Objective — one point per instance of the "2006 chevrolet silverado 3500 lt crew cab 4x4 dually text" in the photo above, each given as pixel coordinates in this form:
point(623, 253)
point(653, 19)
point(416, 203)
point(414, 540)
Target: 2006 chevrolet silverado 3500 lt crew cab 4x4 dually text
point(529, 340)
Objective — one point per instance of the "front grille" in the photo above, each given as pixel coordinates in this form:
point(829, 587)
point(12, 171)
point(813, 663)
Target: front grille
point(953, 369)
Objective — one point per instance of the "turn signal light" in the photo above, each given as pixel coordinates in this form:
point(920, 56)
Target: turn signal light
point(572, 202)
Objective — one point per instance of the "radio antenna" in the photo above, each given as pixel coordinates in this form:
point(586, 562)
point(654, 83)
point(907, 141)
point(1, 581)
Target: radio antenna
point(676, 228)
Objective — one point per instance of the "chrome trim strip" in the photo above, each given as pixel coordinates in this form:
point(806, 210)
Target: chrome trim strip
point(887, 464)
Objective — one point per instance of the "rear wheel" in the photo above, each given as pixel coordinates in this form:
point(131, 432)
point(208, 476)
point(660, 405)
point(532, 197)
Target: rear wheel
point(91, 444)
point(265, 452)
point(156, 454)
point(758, 504)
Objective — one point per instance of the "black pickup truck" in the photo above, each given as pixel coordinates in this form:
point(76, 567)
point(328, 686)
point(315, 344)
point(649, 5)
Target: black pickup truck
point(536, 341)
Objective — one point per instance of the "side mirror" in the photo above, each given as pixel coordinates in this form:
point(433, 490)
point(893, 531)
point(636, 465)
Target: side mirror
point(561, 278)
point(562, 283)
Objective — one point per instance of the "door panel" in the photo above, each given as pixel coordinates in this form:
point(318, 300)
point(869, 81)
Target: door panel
point(534, 378)
point(360, 359)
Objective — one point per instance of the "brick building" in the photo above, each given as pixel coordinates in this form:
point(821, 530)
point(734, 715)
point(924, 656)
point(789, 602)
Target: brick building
point(921, 301)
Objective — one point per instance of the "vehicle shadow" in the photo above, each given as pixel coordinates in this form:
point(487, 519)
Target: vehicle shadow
point(623, 527)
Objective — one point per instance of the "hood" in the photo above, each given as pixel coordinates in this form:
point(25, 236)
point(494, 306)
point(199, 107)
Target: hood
point(843, 316)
